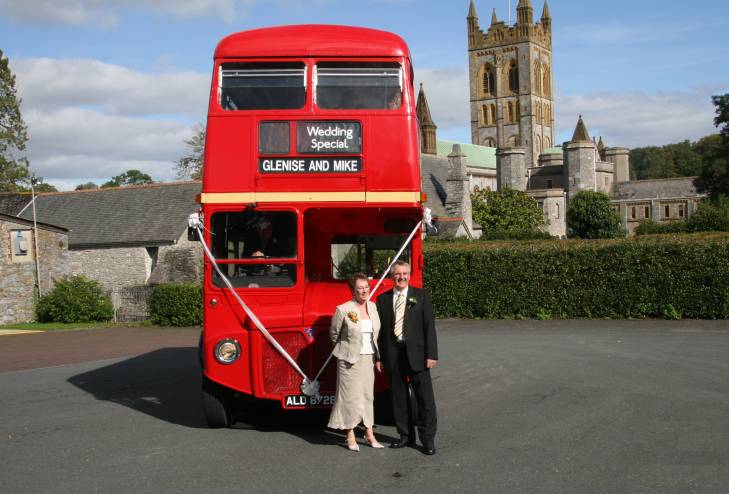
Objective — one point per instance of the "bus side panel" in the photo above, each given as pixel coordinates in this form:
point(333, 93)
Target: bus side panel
point(229, 149)
point(391, 165)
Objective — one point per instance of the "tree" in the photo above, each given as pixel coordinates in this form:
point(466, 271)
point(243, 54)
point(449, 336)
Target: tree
point(190, 165)
point(129, 177)
point(13, 133)
point(714, 176)
point(591, 215)
point(509, 212)
point(87, 186)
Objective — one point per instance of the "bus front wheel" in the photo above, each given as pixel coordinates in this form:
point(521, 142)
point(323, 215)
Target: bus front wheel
point(217, 404)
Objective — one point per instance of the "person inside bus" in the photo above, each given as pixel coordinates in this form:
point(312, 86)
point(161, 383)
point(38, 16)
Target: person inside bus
point(354, 331)
point(261, 241)
point(395, 101)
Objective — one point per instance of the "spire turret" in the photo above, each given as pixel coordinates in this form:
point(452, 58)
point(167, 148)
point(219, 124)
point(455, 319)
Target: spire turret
point(427, 126)
point(472, 23)
point(524, 17)
point(581, 134)
point(546, 18)
point(494, 20)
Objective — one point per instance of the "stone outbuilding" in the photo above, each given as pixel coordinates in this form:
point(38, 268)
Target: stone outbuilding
point(127, 236)
point(20, 266)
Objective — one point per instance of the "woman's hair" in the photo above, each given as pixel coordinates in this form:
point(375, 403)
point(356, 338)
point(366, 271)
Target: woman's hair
point(352, 282)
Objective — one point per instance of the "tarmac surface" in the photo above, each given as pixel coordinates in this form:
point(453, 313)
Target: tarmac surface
point(523, 406)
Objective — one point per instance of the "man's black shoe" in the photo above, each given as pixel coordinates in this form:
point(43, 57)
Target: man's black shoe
point(404, 441)
point(429, 450)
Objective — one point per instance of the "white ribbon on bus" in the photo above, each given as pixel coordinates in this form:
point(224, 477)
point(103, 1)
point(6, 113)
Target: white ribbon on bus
point(308, 386)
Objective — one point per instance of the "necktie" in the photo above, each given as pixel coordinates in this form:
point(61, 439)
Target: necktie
point(399, 315)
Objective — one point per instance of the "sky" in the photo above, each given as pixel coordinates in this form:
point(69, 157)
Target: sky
point(113, 85)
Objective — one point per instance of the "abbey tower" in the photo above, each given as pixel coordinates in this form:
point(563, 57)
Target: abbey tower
point(510, 74)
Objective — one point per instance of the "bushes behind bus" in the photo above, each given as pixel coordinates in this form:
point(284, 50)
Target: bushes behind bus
point(668, 276)
point(73, 300)
point(176, 305)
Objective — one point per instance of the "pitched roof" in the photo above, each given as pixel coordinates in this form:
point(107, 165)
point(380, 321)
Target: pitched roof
point(12, 203)
point(434, 173)
point(153, 214)
point(476, 156)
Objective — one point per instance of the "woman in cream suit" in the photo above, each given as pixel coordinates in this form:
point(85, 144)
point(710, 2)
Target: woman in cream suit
point(354, 330)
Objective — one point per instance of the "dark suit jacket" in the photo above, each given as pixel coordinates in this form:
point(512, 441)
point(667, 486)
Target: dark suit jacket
point(418, 329)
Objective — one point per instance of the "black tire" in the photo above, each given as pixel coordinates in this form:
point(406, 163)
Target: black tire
point(217, 404)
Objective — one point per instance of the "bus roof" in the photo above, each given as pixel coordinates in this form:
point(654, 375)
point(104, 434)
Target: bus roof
point(312, 40)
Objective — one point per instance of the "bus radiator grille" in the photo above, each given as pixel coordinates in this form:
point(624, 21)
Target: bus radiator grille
point(278, 375)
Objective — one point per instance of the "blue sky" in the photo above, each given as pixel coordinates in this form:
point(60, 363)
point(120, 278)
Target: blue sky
point(119, 84)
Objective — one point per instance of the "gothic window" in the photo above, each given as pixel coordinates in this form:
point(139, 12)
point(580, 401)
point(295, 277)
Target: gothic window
point(547, 143)
point(539, 112)
point(538, 142)
point(513, 77)
point(492, 114)
point(537, 78)
point(513, 141)
point(488, 84)
point(512, 113)
point(489, 142)
point(485, 114)
point(546, 86)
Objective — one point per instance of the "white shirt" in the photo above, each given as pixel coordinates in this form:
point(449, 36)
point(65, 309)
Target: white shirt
point(366, 328)
point(395, 291)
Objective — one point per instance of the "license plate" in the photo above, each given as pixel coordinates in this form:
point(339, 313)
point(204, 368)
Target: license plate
point(304, 401)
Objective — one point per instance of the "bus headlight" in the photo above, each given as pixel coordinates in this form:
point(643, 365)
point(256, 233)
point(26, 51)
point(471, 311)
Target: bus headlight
point(227, 351)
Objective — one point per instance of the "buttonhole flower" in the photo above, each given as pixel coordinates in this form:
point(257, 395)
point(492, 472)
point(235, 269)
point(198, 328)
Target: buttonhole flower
point(353, 316)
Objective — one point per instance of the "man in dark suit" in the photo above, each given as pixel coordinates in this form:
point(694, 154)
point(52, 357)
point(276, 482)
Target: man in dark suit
point(408, 350)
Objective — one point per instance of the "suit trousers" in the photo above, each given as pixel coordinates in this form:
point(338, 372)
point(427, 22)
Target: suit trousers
point(424, 418)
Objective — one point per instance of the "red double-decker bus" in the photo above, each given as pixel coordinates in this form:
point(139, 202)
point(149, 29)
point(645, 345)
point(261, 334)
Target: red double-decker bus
point(311, 173)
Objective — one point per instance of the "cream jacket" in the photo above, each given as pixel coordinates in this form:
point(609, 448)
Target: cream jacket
point(346, 334)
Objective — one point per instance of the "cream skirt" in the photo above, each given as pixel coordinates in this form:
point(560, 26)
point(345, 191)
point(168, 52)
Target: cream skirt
point(355, 394)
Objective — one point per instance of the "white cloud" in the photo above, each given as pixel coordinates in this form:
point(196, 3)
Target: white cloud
point(635, 119)
point(106, 12)
point(447, 94)
point(89, 120)
point(51, 84)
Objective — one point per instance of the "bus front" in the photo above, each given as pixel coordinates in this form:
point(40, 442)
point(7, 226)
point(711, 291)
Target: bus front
point(311, 174)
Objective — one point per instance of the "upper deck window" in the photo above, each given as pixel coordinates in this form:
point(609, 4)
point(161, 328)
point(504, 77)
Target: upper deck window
point(262, 86)
point(358, 85)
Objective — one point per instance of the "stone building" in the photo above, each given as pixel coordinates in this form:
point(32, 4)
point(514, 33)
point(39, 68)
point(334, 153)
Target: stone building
point(512, 125)
point(127, 236)
point(18, 267)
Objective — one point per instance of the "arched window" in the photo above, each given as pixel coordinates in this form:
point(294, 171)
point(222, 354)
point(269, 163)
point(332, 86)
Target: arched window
point(513, 77)
point(512, 114)
point(489, 142)
point(537, 78)
point(488, 83)
point(492, 115)
point(547, 143)
point(538, 111)
point(538, 142)
point(484, 115)
point(546, 86)
point(514, 141)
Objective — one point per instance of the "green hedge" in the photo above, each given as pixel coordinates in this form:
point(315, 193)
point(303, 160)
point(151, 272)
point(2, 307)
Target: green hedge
point(650, 227)
point(662, 276)
point(176, 305)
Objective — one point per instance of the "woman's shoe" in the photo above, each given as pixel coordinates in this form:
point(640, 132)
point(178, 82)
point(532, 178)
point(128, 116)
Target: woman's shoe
point(352, 446)
point(374, 443)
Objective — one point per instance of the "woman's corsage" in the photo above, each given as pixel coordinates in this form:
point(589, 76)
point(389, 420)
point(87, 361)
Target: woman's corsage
point(353, 316)
point(412, 301)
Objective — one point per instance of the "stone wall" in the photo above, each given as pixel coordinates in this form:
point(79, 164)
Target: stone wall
point(18, 287)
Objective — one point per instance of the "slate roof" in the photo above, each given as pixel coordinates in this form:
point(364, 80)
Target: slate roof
point(661, 188)
point(11, 203)
point(434, 173)
point(148, 215)
point(22, 221)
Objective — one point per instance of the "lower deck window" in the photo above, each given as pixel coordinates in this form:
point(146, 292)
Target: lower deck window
point(366, 254)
